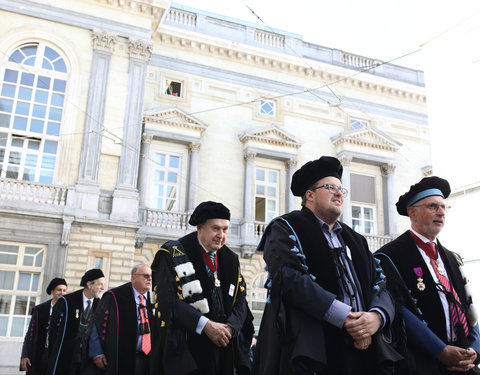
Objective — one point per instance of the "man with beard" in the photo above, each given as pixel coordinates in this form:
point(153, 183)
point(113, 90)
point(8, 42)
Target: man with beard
point(427, 282)
point(203, 321)
point(120, 342)
point(68, 330)
point(35, 349)
point(326, 300)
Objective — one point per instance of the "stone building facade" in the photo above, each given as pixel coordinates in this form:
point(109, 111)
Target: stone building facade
point(117, 117)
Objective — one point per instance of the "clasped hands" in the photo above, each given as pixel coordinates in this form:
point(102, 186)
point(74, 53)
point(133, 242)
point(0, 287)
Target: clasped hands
point(219, 333)
point(457, 359)
point(362, 326)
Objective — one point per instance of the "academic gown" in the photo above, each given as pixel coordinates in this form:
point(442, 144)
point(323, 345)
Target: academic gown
point(402, 261)
point(35, 338)
point(65, 338)
point(116, 322)
point(293, 335)
point(182, 350)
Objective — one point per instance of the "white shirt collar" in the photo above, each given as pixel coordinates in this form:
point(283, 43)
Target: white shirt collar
point(422, 237)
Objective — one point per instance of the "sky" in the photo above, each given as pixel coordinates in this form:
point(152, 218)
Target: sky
point(381, 29)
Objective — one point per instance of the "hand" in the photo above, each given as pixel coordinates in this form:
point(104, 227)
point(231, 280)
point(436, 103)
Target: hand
point(457, 359)
point(362, 344)
point(218, 333)
point(101, 362)
point(362, 325)
point(25, 363)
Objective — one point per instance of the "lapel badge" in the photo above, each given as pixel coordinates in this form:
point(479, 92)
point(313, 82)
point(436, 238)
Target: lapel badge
point(419, 273)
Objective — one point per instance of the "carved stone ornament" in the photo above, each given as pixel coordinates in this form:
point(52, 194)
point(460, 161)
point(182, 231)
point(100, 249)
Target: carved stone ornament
point(103, 41)
point(140, 49)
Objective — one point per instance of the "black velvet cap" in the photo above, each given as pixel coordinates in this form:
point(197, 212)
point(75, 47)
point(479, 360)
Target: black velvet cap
point(54, 283)
point(209, 210)
point(313, 171)
point(427, 187)
point(90, 275)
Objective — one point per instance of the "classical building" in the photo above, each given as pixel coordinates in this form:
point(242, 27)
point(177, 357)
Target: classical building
point(117, 117)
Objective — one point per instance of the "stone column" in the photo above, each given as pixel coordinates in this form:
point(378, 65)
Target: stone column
point(125, 195)
point(347, 204)
point(87, 190)
point(290, 198)
point(145, 166)
point(247, 228)
point(389, 211)
point(193, 148)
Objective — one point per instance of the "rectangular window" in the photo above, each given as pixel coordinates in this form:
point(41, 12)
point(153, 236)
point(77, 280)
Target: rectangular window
point(359, 124)
point(166, 182)
point(363, 203)
point(267, 107)
point(266, 194)
point(20, 274)
point(172, 88)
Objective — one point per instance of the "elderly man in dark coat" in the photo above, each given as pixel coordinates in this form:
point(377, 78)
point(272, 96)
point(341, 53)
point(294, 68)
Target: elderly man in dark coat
point(204, 323)
point(68, 330)
point(326, 302)
point(35, 349)
point(427, 281)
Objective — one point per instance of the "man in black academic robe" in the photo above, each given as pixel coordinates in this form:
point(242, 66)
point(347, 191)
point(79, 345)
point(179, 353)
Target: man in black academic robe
point(327, 308)
point(34, 358)
point(116, 340)
point(68, 329)
point(429, 346)
point(204, 323)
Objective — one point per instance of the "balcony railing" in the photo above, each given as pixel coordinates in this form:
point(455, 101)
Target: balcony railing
point(357, 61)
point(166, 219)
point(34, 192)
point(269, 39)
point(181, 17)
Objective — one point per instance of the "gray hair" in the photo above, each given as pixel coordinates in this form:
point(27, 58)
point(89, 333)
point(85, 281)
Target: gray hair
point(137, 266)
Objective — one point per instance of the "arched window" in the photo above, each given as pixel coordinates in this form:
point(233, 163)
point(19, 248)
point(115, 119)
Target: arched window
point(32, 98)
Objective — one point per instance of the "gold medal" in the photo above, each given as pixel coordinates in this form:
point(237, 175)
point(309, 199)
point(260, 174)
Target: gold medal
point(420, 284)
point(440, 270)
point(217, 280)
point(76, 313)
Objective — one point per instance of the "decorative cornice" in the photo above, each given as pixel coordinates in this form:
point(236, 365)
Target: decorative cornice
point(103, 41)
point(140, 49)
point(174, 118)
point(249, 156)
point(345, 160)
point(194, 147)
point(272, 62)
point(369, 138)
point(270, 135)
point(387, 169)
point(291, 163)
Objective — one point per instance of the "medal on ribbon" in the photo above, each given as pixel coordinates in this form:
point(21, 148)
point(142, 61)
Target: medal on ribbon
point(217, 280)
point(419, 273)
point(77, 313)
point(440, 269)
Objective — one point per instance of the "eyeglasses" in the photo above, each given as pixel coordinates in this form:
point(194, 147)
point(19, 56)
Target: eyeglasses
point(434, 207)
point(332, 189)
point(145, 275)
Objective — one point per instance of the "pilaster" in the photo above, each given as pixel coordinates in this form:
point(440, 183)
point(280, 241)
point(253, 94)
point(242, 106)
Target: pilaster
point(345, 160)
point(390, 214)
point(291, 165)
point(193, 149)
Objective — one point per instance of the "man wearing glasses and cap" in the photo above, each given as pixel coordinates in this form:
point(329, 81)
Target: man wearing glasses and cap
point(204, 323)
point(35, 349)
point(326, 298)
point(68, 327)
point(427, 282)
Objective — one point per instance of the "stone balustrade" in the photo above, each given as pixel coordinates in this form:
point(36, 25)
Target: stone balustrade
point(166, 219)
point(181, 17)
point(357, 61)
point(27, 191)
point(269, 39)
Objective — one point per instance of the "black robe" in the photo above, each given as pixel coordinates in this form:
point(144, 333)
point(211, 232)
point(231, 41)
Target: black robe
point(425, 305)
point(36, 336)
point(293, 335)
point(67, 343)
point(179, 349)
point(117, 325)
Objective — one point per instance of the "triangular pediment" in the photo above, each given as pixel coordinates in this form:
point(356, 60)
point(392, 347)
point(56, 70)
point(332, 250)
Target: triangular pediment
point(270, 135)
point(368, 138)
point(173, 118)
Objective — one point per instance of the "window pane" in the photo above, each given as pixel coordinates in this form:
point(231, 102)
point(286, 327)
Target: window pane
point(36, 126)
point(50, 147)
point(31, 160)
point(51, 54)
point(260, 209)
point(5, 302)
point(39, 111)
point(4, 120)
point(356, 212)
point(160, 159)
point(27, 79)
point(46, 177)
point(272, 205)
point(18, 325)
point(3, 325)
point(53, 128)
point(48, 162)
point(22, 108)
point(356, 225)
point(55, 114)
point(174, 162)
point(24, 93)
point(160, 190)
point(8, 90)
point(28, 260)
point(16, 57)
point(8, 258)
point(272, 176)
point(159, 175)
point(368, 227)
point(260, 175)
point(10, 76)
point(272, 191)
point(20, 123)
point(13, 249)
point(368, 213)
point(39, 259)
point(35, 279)
point(41, 96)
point(59, 85)
point(260, 190)
point(43, 82)
point(6, 279)
point(12, 172)
point(21, 304)
point(6, 105)
point(170, 192)
point(172, 177)
point(60, 66)
point(24, 281)
point(15, 158)
point(57, 100)
point(159, 204)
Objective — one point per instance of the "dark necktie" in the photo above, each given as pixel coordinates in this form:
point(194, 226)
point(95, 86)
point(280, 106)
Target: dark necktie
point(86, 312)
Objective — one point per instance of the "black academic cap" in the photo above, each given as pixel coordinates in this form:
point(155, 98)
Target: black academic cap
point(427, 187)
point(313, 171)
point(54, 283)
point(90, 275)
point(209, 210)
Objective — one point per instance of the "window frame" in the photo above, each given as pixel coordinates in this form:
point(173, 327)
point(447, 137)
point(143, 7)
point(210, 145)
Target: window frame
point(362, 219)
point(265, 196)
